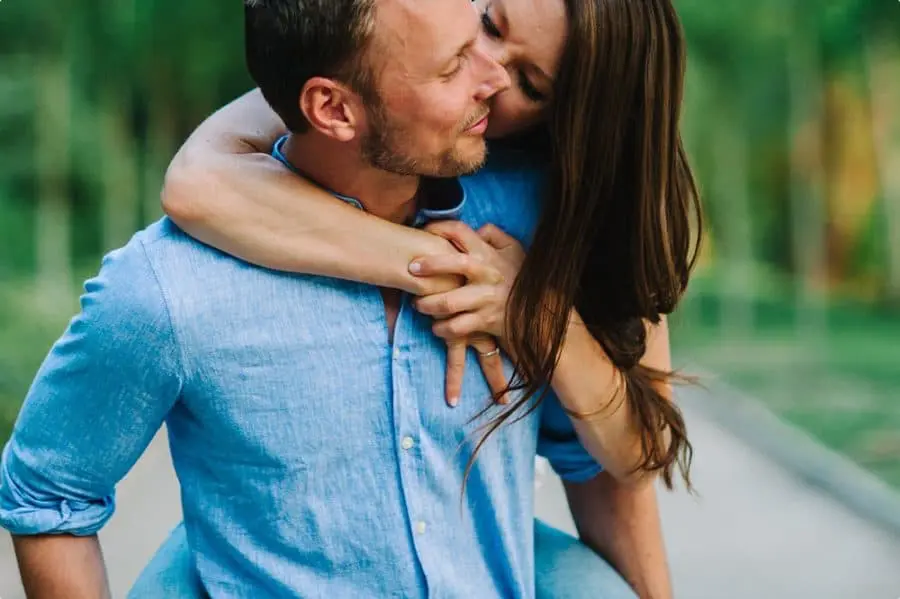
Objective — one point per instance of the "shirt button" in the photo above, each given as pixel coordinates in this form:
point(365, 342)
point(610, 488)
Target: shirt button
point(420, 527)
point(407, 443)
point(397, 353)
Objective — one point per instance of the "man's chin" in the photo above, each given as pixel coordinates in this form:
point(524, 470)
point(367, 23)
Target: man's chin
point(468, 164)
point(473, 157)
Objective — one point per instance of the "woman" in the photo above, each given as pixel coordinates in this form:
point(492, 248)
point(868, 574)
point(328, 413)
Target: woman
point(622, 195)
point(601, 89)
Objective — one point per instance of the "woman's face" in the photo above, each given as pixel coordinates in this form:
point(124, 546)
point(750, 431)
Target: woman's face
point(527, 37)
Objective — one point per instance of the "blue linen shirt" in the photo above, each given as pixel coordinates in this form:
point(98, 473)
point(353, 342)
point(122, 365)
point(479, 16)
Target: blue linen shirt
point(316, 458)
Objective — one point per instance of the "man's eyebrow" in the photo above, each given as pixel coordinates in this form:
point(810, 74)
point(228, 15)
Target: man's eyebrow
point(465, 47)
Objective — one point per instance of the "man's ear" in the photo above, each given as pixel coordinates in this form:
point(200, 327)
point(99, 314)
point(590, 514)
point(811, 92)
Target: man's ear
point(331, 108)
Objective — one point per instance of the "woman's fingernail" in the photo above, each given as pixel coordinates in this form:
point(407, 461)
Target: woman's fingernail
point(415, 267)
point(454, 401)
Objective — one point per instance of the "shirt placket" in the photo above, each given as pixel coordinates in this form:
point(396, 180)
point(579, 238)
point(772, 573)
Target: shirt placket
point(408, 430)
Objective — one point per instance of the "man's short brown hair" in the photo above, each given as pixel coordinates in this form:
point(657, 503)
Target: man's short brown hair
point(288, 42)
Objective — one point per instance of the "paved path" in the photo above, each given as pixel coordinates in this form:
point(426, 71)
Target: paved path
point(756, 532)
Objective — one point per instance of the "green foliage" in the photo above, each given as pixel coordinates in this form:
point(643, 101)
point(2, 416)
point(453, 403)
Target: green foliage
point(95, 95)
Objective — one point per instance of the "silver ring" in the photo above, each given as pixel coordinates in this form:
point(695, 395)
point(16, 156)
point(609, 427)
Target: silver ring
point(490, 354)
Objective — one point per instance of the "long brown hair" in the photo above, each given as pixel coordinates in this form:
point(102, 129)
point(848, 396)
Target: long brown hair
point(615, 238)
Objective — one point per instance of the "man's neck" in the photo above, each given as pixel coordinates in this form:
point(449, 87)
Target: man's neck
point(340, 168)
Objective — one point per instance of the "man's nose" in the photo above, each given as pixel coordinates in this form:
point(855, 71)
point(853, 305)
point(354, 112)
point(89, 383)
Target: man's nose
point(494, 76)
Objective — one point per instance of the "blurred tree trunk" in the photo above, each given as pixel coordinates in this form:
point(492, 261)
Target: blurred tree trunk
point(809, 225)
point(731, 186)
point(121, 189)
point(160, 147)
point(119, 169)
point(883, 58)
point(53, 219)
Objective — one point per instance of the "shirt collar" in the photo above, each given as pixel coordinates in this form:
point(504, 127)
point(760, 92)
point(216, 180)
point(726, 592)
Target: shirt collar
point(444, 198)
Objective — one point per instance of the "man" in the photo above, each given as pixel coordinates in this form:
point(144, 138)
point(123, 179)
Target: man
point(304, 414)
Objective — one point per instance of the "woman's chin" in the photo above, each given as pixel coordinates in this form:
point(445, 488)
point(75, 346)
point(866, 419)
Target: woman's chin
point(499, 128)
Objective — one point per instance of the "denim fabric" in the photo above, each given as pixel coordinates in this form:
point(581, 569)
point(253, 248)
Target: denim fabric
point(315, 458)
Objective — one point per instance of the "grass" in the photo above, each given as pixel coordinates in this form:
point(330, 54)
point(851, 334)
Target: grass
point(836, 375)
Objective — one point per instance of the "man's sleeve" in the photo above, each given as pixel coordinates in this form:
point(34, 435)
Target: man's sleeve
point(97, 401)
point(558, 442)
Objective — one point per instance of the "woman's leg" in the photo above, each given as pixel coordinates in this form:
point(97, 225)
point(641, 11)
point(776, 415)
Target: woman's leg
point(171, 572)
point(566, 568)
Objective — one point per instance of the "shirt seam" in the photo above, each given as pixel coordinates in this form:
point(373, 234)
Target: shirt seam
point(179, 347)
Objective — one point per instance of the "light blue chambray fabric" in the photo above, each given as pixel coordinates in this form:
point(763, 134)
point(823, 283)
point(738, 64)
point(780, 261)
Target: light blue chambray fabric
point(565, 568)
point(315, 458)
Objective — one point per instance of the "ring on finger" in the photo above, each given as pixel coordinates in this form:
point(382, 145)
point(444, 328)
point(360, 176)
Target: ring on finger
point(490, 354)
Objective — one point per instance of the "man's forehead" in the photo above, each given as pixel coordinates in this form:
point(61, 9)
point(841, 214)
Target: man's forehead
point(424, 32)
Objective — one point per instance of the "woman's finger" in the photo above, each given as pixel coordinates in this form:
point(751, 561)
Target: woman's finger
point(470, 298)
point(456, 368)
point(459, 234)
point(496, 237)
point(473, 268)
point(492, 367)
point(460, 327)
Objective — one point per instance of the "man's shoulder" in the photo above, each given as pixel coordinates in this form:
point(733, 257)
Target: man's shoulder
point(178, 259)
point(508, 192)
point(510, 169)
point(199, 281)
point(157, 262)
point(163, 238)
point(133, 262)
point(126, 291)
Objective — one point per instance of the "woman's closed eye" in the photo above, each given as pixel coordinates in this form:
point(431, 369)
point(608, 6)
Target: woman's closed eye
point(530, 91)
point(528, 88)
point(488, 24)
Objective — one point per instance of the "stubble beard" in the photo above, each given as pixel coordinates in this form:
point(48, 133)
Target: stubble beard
point(384, 148)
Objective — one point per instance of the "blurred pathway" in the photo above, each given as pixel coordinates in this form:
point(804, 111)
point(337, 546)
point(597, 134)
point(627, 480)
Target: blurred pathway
point(755, 533)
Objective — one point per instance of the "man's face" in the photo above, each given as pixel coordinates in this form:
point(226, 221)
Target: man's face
point(432, 80)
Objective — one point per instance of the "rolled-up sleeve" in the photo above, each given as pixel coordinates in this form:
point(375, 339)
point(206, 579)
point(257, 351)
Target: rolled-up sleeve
point(98, 399)
point(558, 442)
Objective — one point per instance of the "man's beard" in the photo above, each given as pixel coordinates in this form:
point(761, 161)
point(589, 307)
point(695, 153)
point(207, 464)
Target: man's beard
point(383, 147)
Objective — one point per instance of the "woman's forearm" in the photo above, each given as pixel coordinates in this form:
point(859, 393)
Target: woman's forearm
point(621, 523)
point(586, 382)
point(224, 189)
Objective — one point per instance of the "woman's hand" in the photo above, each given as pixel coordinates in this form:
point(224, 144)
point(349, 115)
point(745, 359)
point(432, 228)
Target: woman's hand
point(474, 314)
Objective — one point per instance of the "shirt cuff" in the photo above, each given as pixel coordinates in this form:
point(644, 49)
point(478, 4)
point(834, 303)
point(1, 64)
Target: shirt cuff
point(21, 513)
point(570, 460)
point(581, 475)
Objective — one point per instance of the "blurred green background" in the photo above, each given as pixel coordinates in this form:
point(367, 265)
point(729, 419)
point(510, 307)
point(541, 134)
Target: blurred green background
point(791, 119)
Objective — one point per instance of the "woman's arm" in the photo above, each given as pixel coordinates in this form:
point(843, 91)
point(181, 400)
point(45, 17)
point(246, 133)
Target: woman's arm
point(621, 522)
point(225, 189)
point(586, 380)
